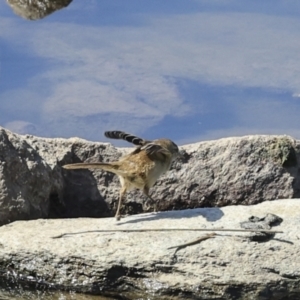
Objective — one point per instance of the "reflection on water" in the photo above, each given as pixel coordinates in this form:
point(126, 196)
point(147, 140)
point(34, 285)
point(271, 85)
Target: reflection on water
point(20, 294)
point(14, 291)
point(36, 9)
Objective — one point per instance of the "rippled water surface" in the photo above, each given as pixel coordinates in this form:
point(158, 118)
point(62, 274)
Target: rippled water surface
point(20, 294)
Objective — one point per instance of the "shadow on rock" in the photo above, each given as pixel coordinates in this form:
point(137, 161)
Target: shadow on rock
point(210, 214)
point(82, 196)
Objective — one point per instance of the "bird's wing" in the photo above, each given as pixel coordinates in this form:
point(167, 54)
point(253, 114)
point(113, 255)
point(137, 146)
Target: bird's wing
point(110, 167)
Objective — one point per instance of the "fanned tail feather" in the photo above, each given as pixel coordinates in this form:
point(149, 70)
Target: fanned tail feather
point(124, 136)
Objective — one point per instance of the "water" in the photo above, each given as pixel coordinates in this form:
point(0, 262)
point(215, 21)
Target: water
point(20, 294)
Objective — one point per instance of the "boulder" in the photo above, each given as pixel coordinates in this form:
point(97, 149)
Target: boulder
point(94, 256)
point(36, 9)
point(241, 170)
point(33, 184)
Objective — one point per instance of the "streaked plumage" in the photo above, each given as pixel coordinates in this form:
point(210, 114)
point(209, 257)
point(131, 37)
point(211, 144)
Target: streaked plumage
point(139, 169)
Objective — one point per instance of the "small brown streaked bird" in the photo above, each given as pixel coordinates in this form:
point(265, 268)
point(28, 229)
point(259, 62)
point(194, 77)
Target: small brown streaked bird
point(139, 169)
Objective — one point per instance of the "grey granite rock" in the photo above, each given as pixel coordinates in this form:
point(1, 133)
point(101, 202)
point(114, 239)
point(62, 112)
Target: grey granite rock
point(139, 265)
point(36, 9)
point(244, 170)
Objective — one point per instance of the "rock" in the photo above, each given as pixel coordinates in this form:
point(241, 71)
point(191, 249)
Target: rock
point(139, 265)
point(244, 170)
point(241, 170)
point(33, 184)
point(36, 9)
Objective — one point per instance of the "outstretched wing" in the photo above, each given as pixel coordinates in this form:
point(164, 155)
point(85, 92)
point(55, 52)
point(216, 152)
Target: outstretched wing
point(110, 167)
point(121, 135)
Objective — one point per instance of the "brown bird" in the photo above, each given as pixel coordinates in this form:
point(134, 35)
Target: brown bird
point(139, 169)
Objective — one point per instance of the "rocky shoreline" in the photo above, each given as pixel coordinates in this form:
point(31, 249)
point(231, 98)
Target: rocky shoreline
point(242, 170)
point(90, 258)
point(217, 184)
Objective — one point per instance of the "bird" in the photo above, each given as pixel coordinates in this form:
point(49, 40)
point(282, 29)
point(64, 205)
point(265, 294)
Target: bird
point(140, 168)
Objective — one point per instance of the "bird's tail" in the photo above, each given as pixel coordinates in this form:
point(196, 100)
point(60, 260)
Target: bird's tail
point(121, 135)
point(104, 166)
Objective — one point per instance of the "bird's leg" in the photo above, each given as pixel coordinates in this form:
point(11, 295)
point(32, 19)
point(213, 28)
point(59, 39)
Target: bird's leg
point(152, 201)
point(122, 194)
